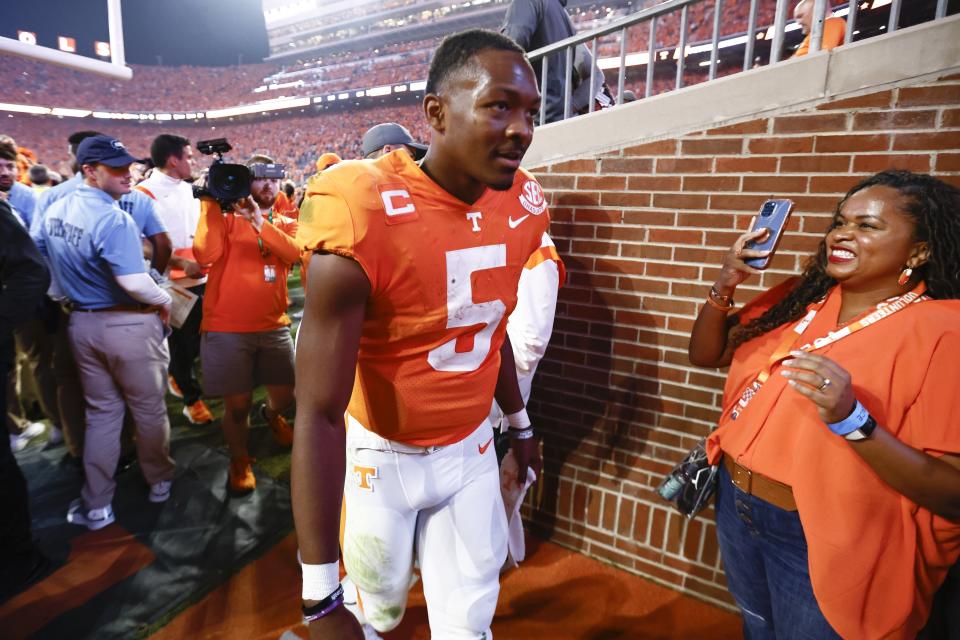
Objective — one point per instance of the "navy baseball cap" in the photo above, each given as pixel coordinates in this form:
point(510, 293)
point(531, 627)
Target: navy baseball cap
point(104, 150)
point(390, 133)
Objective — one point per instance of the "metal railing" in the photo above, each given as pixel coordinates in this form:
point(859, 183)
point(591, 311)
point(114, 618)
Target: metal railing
point(551, 54)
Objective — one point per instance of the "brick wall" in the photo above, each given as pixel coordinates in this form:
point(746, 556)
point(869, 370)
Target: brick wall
point(642, 231)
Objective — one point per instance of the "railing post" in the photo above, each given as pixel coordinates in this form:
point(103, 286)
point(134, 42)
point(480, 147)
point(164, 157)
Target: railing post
point(593, 74)
point(715, 41)
point(568, 82)
point(651, 56)
point(682, 48)
point(545, 62)
point(894, 16)
point(816, 28)
point(779, 22)
point(854, 8)
point(751, 36)
point(941, 9)
point(623, 64)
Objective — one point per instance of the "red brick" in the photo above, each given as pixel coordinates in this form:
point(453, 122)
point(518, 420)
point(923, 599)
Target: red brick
point(602, 183)
point(674, 236)
point(775, 184)
point(781, 145)
point(654, 183)
point(625, 517)
point(679, 201)
point(605, 216)
point(728, 202)
point(814, 204)
point(658, 527)
point(814, 164)
point(833, 184)
point(684, 165)
point(874, 163)
point(711, 146)
point(624, 199)
point(852, 142)
point(948, 162)
point(550, 182)
point(661, 270)
point(946, 140)
point(711, 183)
point(626, 165)
point(751, 126)
point(878, 99)
point(706, 220)
point(951, 119)
point(657, 148)
point(649, 217)
point(954, 180)
point(886, 120)
point(702, 256)
point(573, 198)
point(646, 252)
point(810, 123)
point(746, 165)
point(575, 166)
point(947, 94)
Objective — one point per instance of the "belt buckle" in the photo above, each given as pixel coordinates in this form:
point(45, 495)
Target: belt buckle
point(742, 478)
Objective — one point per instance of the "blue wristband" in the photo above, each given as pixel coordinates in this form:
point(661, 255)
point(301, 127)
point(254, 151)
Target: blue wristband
point(857, 418)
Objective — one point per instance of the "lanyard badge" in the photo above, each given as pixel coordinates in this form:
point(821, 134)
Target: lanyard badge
point(883, 310)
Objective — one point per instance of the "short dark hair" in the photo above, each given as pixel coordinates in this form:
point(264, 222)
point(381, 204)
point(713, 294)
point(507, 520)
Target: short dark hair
point(289, 188)
point(166, 145)
point(457, 51)
point(8, 151)
point(79, 136)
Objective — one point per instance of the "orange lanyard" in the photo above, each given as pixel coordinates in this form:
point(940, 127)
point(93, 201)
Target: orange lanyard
point(791, 338)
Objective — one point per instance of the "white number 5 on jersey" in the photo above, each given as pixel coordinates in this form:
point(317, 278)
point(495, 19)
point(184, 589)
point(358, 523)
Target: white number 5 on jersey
point(463, 312)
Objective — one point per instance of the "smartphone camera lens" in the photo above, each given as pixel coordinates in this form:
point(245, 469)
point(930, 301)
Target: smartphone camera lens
point(767, 210)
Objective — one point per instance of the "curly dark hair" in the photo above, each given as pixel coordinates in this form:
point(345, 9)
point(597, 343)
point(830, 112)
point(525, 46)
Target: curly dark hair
point(934, 207)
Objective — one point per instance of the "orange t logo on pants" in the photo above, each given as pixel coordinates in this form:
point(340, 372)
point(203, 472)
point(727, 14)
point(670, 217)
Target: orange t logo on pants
point(364, 476)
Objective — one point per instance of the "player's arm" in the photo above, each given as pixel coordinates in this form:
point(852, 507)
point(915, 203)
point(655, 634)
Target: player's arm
point(526, 447)
point(327, 345)
point(162, 250)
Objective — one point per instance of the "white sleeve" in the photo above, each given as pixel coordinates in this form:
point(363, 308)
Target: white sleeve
point(531, 323)
point(142, 288)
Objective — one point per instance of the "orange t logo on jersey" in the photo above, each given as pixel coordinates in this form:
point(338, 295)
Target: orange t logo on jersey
point(364, 476)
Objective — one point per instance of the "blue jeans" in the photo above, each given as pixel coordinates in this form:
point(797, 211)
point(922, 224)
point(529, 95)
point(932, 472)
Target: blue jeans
point(765, 558)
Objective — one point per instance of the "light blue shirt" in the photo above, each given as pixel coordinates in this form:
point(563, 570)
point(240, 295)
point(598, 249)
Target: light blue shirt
point(88, 241)
point(24, 200)
point(141, 207)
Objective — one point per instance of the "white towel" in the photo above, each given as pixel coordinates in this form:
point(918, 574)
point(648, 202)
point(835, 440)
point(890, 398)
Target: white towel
point(513, 495)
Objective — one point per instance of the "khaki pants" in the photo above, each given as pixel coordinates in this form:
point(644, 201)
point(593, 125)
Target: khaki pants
point(122, 358)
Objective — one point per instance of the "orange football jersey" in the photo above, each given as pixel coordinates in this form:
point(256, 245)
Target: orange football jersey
point(443, 277)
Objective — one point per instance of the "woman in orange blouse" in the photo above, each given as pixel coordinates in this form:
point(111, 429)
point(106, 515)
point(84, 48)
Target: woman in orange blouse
point(838, 504)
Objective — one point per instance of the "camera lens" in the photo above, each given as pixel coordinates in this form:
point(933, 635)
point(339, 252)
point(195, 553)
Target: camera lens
point(767, 210)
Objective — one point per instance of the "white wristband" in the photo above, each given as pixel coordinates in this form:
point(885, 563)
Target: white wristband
point(320, 580)
point(518, 420)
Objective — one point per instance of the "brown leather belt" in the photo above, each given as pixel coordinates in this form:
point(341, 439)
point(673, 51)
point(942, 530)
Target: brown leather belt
point(760, 486)
point(127, 308)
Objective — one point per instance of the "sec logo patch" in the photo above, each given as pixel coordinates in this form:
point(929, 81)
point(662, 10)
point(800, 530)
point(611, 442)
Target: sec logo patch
point(532, 199)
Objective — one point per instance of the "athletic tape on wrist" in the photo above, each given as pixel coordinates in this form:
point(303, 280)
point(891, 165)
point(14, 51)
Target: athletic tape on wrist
point(320, 580)
point(518, 420)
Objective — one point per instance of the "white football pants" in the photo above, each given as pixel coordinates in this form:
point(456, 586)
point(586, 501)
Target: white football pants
point(442, 504)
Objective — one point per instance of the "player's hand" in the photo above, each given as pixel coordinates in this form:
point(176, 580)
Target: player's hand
point(340, 624)
point(527, 454)
point(192, 269)
point(734, 269)
point(4, 195)
point(827, 384)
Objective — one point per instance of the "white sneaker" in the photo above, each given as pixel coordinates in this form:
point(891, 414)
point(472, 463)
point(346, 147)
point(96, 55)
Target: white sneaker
point(160, 492)
point(34, 429)
point(56, 436)
point(93, 519)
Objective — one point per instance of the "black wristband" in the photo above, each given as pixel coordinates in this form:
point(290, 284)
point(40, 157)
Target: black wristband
point(324, 607)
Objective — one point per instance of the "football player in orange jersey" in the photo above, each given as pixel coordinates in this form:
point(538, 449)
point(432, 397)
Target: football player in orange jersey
point(414, 269)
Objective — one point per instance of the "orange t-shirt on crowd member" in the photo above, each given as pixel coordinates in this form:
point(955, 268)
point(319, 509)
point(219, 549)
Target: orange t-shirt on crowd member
point(443, 277)
point(875, 557)
point(247, 287)
point(285, 207)
point(834, 30)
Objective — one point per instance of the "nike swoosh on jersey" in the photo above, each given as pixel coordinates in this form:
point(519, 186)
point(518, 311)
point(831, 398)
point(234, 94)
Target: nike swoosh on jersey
point(483, 447)
point(516, 223)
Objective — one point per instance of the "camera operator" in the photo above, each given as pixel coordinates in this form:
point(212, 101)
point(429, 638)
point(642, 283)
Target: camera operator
point(172, 157)
point(245, 332)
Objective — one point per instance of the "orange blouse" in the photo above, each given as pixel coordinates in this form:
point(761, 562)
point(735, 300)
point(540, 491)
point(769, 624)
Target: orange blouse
point(875, 557)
